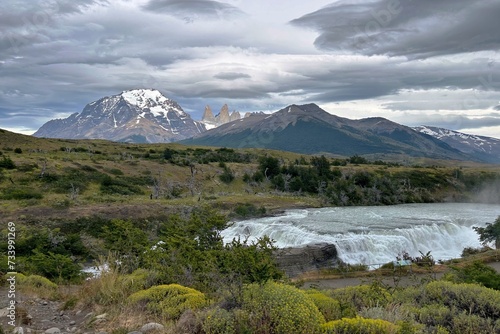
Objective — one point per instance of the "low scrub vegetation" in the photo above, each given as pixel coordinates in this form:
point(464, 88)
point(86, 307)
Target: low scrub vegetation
point(162, 258)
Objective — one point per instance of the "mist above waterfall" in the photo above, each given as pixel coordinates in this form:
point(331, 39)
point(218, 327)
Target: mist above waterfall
point(375, 235)
point(489, 193)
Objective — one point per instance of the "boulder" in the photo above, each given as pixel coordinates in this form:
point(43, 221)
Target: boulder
point(294, 261)
point(151, 327)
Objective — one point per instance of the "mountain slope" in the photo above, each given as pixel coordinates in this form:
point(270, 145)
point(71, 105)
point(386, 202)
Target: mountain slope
point(483, 148)
point(310, 129)
point(140, 115)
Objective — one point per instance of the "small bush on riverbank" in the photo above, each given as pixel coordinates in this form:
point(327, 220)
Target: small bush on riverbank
point(476, 272)
point(360, 325)
point(168, 301)
point(281, 309)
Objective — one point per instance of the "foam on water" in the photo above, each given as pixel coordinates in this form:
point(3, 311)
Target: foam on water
point(375, 235)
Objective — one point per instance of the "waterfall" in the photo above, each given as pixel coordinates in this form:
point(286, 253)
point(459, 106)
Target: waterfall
point(375, 235)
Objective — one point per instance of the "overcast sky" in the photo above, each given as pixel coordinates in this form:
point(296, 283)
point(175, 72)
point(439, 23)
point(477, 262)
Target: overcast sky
point(412, 61)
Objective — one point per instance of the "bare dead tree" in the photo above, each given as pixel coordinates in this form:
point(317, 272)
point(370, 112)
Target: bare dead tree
point(91, 151)
point(286, 180)
point(157, 186)
point(192, 180)
point(44, 167)
point(321, 187)
point(73, 192)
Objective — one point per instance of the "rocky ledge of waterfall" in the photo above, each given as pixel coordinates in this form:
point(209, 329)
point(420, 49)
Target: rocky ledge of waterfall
point(297, 260)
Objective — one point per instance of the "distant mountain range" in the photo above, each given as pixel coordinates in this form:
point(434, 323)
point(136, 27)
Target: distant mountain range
point(145, 115)
point(480, 147)
point(310, 129)
point(140, 115)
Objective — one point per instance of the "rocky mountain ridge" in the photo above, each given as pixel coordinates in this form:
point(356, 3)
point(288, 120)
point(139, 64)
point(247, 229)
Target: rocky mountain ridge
point(483, 148)
point(222, 117)
point(139, 115)
point(311, 130)
point(146, 115)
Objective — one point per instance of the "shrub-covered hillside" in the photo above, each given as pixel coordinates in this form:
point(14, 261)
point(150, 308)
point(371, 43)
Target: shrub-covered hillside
point(48, 177)
point(151, 215)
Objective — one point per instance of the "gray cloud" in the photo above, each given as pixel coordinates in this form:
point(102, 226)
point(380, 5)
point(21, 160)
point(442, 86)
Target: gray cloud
point(86, 51)
point(453, 121)
point(193, 9)
point(416, 29)
point(231, 76)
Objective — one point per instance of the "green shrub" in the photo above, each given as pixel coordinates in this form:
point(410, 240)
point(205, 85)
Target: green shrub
point(139, 279)
point(458, 308)
point(54, 266)
point(111, 185)
point(227, 176)
point(124, 237)
point(18, 150)
point(250, 262)
point(359, 325)
point(329, 307)
point(280, 309)
point(467, 251)
point(354, 298)
point(245, 210)
point(70, 178)
point(111, 287)
point(21, 193)
point(471, 298)
point(115, 171)
point(471, 323)
point(219, 321)
point(37, 281)
point(169, 301)
point(477, 272)
point(434, 315)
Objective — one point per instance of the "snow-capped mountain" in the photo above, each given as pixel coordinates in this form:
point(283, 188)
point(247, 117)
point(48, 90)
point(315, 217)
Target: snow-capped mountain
point(139, 115)
point(484, 148)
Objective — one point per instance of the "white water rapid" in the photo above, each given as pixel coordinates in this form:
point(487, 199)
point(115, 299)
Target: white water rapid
point(375, 234)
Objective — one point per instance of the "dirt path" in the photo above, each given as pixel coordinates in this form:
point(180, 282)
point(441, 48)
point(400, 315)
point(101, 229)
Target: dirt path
point(396, 280)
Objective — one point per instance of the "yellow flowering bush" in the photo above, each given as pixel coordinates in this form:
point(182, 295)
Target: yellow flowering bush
point(280, 309)
point(34, 281)
point(169, 300)
point(360, 326)
point(329, 307)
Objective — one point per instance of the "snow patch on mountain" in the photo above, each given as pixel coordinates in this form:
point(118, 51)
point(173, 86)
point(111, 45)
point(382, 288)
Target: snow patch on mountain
point(486, 148)
point(151, 99)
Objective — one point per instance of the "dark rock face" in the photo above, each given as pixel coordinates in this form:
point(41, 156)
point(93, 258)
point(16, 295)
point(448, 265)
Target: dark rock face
point(294, 261)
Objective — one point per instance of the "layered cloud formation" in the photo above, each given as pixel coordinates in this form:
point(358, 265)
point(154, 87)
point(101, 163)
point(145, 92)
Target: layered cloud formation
point(414, 62)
